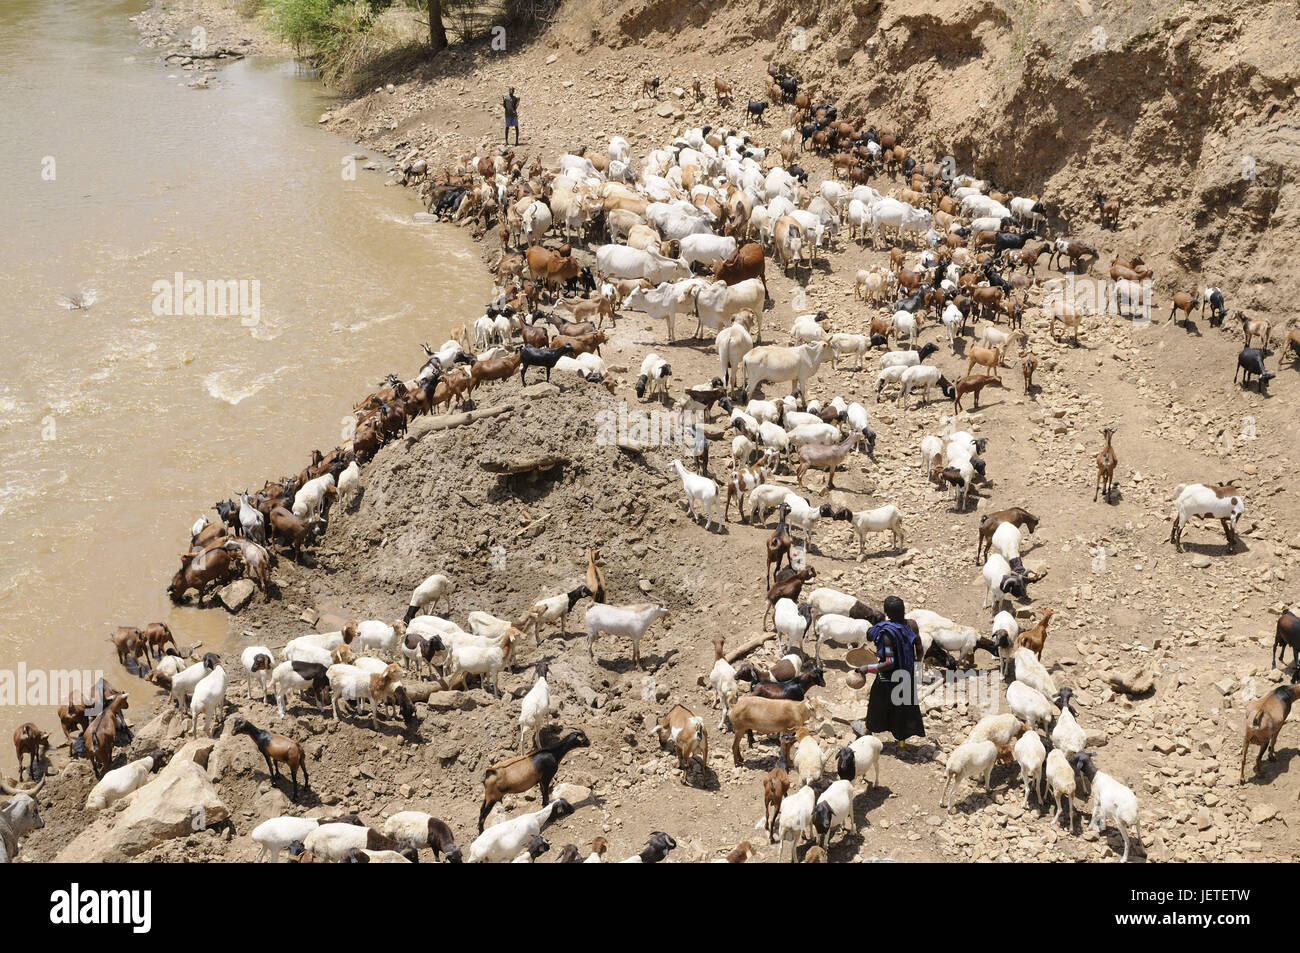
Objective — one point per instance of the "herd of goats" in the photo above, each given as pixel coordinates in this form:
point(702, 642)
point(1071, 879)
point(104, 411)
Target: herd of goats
point(687, 231)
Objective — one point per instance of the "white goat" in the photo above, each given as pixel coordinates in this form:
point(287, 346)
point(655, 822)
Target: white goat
point(699, 489)
point(631, 621)
point(969, 760)
point(209, 698)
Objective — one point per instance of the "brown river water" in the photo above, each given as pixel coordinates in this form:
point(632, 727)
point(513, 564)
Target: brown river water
point(122, 422)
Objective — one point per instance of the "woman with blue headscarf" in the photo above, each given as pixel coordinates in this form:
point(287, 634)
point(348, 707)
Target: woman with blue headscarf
point(893, 705)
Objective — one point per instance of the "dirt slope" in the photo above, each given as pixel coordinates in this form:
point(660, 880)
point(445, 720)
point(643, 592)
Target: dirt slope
point(1161, 117)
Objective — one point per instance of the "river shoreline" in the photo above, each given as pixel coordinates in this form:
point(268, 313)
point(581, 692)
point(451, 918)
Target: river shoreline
point(428, 506)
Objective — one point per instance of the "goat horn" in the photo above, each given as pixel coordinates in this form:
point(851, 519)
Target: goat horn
point(31, 792)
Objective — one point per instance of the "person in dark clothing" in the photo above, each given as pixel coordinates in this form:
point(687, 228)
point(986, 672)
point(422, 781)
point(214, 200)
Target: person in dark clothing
point(893, 705)
point(511, 104)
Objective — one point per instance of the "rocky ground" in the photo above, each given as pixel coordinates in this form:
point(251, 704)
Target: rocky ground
point(1163, 649)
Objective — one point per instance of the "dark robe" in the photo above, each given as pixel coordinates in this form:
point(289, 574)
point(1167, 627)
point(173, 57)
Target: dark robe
point(893, 704)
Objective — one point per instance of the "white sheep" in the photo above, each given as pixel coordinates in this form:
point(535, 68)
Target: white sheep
point(1031, 755)
point(171, 666)
point(485, 661)
point(834, 809)
point(1067, 735)
point(888, 375)
point(1112, 802)
point(349, 484)
point(374, 634)
point(791, 621)
point(905, 324)
point(722, 679)
point(486, 625)
point(535, 709)
point(286, 678)
point(773, 437)
point(1061, 784)
point(428, 594)
point(501, 843)
point(356, 684)
point(742, 451)
point(795, 820)
point(209, 698)
point(1029, 705)
point(184, 682)
point(808, 759)
point(699, 489)
point(1005, 624)
point(277, 833)
point(1000, 729)
point(803, 515)
point(806, 327)
point(1001, 582)
point(931, 454)
point(762, 499)
point(1006, 543)
point(843, 343)
point(257, 660)
point(888, 517)
point(969, 760)
point(333, 841)
point(1031, 672)
point(631, 621)
point(861, 755)
point(120, 782)
point(923, 376)
point(326, 641)
point(841, 630)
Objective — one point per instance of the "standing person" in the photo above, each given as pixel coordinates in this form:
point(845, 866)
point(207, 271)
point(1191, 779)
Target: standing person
point(511, 104)
point(893, 705)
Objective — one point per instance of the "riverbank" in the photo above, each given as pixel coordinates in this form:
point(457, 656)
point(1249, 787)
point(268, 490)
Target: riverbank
point(1197, 625)
point(204, 34)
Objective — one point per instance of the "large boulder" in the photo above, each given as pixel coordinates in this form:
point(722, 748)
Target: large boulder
point(178, 802)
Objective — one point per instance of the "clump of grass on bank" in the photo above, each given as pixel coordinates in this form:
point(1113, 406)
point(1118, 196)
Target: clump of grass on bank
point(356, 44)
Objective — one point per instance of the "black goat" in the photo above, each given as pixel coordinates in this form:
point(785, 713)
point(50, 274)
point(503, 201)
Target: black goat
point(1251, 360)
point(546, 357)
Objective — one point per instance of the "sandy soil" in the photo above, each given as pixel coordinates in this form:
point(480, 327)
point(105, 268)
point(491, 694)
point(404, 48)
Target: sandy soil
point(1200, 622)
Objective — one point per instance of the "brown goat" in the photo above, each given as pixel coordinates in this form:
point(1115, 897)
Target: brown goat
point(156, 636)
point(776, 785)
point(31, 741)
point(1106, 461)
point(989, 357)
point(1029, 364)
point(527, 771)
point(685, 731)
point(788, 588)
point(1034, 638)
point(101, 734)
point(72, 715)
point(770, 716)
point(972, 384)
point(277, 750)
point(129, 642)
point(1018, 515)
point(1264, 720)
